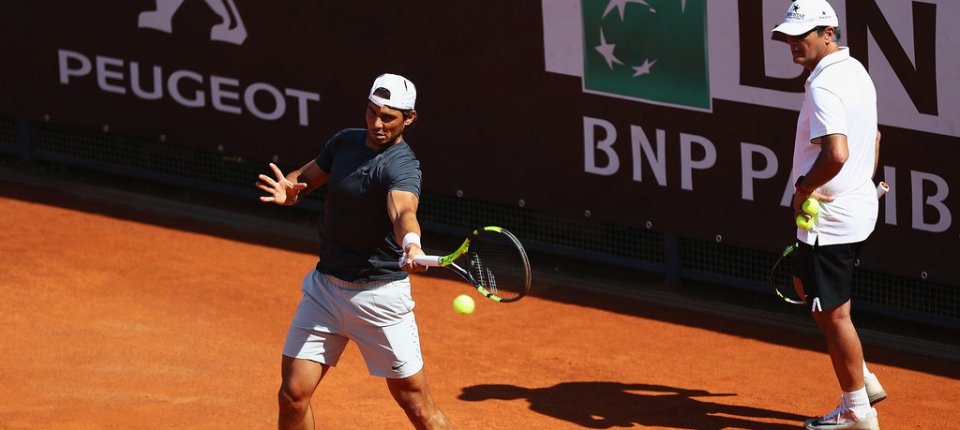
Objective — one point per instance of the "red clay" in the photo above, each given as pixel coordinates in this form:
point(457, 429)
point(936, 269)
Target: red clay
point(167, 323)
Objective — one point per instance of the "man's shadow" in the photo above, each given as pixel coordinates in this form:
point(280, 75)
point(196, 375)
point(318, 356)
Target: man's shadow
point(602, 405)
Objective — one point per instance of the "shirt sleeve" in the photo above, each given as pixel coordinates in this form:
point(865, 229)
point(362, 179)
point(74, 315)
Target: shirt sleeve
point(405, 174)
point(325, 159)
point(828, 113)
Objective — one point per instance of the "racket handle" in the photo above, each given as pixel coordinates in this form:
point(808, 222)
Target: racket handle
point(882, 189)
point(427, 260)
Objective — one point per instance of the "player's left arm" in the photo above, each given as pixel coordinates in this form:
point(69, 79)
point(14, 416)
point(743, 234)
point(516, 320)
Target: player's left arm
point(288, 189)
point(876, 155)
point(402, 210)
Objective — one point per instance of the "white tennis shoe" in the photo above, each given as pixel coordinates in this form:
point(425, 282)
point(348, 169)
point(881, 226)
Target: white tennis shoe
point(844, 418)
point(875, 391)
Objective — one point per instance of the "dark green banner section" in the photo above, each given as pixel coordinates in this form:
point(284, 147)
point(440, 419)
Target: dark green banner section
point(630, 46)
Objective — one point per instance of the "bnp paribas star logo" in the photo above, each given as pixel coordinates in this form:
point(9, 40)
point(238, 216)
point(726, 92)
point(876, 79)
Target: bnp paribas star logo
point(647, 50)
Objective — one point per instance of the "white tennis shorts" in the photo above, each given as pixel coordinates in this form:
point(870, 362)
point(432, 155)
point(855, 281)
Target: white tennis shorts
point(378, 316)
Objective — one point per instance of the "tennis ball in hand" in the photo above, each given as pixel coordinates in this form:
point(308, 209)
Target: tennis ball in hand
point(463, 304)
point(804, 223)
point(810, 206)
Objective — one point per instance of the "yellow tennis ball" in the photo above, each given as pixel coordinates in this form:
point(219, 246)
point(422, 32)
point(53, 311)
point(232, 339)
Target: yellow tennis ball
point(811, 206)
point(463, 304)
point(804, 223)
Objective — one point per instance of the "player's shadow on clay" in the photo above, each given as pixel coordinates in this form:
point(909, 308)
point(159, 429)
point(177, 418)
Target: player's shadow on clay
point(602, 405)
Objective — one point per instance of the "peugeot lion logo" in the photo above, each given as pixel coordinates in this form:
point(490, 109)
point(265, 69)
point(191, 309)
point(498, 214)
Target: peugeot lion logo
point(230, 30)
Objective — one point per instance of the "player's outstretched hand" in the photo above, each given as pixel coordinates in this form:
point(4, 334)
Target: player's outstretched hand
point(281, 190)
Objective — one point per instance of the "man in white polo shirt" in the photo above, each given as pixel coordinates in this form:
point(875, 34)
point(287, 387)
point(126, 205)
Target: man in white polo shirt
point(835, 157)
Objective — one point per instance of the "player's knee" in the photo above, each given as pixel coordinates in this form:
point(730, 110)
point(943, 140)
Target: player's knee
point(833, 320)
point(292, 402)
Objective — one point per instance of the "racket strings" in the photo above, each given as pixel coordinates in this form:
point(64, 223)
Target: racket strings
point(499, 265)
point(483, 275)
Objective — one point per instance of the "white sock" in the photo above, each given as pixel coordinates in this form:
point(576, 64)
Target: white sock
point(858, 401)
point(865, 371)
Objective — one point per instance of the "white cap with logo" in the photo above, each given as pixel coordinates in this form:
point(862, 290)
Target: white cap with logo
point(403, 95)
point(805, 15)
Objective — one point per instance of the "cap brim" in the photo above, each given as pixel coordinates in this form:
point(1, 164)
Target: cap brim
point(794, 28)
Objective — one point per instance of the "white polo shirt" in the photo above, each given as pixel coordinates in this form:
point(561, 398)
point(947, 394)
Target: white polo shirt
point(840, 99)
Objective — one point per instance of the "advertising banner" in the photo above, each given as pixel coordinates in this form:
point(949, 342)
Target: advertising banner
point(673, 115)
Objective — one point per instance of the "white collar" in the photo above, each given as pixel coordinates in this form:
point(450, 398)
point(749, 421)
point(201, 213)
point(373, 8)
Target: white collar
point(842, 54)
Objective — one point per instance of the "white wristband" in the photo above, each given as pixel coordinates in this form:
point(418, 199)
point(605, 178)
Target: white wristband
point(411, 238)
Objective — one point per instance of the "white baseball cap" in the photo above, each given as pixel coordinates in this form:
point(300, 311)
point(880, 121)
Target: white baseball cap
point(805, 15)
point(403, 95)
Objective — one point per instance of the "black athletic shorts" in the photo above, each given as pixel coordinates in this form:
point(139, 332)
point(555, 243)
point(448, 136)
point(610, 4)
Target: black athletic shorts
point(826, 273)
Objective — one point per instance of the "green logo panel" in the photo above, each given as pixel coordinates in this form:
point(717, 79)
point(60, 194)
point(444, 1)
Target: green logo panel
point(653, 50)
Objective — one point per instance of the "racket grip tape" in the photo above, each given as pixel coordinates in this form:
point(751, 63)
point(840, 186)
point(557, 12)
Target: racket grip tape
point(427, 260)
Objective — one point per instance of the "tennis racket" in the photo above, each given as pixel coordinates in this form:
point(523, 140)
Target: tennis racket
point(781, 277)
point(882, 189)
point(492, 260)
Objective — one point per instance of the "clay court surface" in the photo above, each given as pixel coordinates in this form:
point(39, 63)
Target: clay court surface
point(122, 310)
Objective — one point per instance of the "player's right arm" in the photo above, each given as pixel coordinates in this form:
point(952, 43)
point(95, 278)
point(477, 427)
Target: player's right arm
point(402, 210)
point(291, 188)
point(833, 154)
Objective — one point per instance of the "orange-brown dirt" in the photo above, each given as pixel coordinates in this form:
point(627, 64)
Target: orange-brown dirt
point(122, 317)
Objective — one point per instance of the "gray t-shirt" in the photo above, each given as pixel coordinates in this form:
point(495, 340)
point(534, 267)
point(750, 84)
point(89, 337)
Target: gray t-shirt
point(357, 242)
